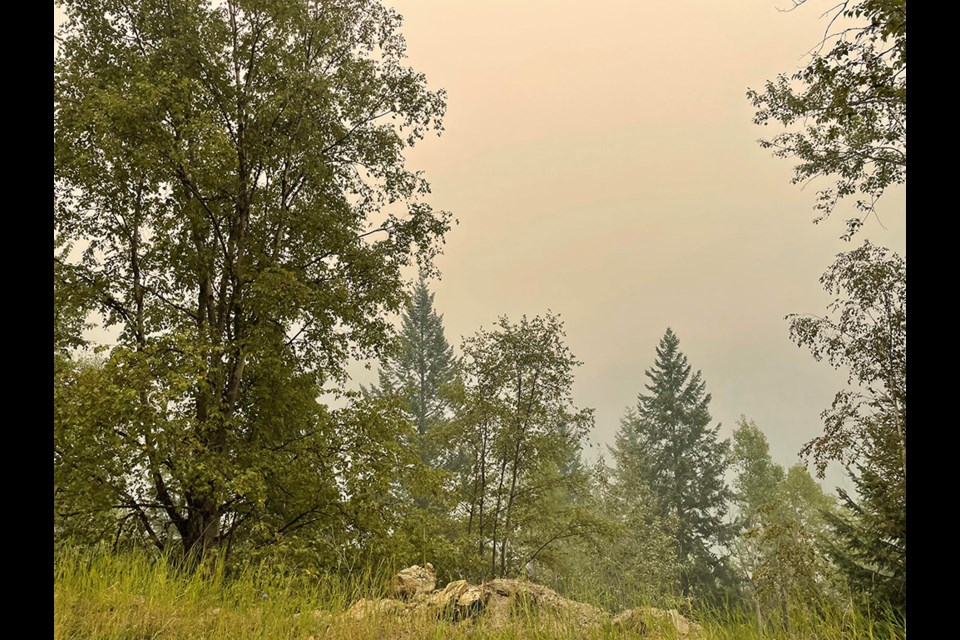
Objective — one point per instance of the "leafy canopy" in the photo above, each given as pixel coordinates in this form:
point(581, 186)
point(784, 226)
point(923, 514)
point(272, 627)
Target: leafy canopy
point(845, 113)
point(865, 332)
point(521, 437)
point(231, 178)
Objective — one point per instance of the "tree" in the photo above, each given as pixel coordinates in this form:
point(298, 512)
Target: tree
point(783, 520)
point(869, 541)
point(755, 489)
point(758, 476)
point(521, 437)
point(680, 458)
point(232, 174)
point(641, 561)
point(792, 570)
point(845, 112)
point(419, 372)
point(864, 332)
point(422, 367)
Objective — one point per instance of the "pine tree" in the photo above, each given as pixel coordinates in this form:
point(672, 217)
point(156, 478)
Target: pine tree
point(422, 366)
point(668, 441)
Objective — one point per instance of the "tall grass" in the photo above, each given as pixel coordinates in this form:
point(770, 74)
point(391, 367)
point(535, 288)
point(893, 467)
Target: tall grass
point(134, 596)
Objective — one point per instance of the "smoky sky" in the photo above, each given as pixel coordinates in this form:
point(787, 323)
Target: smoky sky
point(601, 160)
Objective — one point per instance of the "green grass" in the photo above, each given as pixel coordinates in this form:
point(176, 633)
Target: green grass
point(133, 596)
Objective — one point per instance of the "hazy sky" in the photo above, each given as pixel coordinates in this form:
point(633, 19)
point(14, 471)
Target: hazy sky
point(602, 163)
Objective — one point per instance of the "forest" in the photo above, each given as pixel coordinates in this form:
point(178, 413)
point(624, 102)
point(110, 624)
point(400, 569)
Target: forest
point(233, 201)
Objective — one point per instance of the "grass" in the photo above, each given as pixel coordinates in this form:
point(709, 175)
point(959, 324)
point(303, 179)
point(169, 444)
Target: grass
point(133, 596)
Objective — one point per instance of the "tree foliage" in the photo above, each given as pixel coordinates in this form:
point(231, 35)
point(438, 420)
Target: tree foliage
point(681, 459)
point(864, 332)
point(421, 369)
point(845, 112)
point(792, 570)
point(866, 427)
point(232, 175)
point(521, 438)
point(869, 542)
point(783, 518)
point(640, 561)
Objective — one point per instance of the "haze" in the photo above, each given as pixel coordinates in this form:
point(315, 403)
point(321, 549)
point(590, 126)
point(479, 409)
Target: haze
point(602, 163)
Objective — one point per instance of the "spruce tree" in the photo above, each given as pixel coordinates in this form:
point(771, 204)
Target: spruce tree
point(421, 367)
point(668, 440)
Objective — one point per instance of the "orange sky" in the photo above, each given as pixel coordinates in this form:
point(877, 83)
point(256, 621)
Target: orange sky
point(602, 162)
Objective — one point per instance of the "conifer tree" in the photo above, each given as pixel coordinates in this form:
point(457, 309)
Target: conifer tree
point(870, 535)
point(419, 374)
point(422, 366)
point(669, 441)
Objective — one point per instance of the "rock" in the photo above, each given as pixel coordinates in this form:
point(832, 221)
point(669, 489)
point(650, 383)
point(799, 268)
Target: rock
point(449, 595)
point(533, 596)
point(363, 609)
point(473, 596)
point(497, 612)
point(412, 582)
point(650, 620)
point(500, 602)
point(458, 600)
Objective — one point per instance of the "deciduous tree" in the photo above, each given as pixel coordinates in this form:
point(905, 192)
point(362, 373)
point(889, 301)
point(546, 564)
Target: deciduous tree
point(865, 333)
point(521, 437)
point(783, 518)
point(233, 176)
point(845, 112)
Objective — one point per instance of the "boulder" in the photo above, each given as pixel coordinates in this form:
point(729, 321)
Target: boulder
point(412, 582)
point(363, 609)
point(536, 597)
point(501, 602)
point(458, 600)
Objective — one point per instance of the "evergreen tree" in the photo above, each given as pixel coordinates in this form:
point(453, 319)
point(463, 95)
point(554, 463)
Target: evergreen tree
point(680, 458)
point(870, 536)
point(421, 368)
